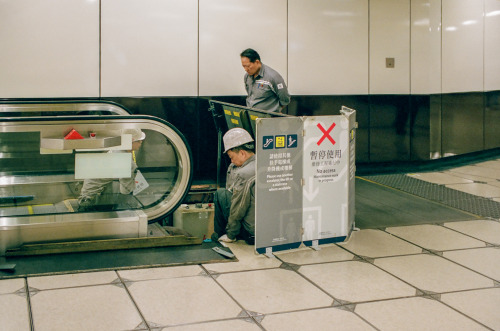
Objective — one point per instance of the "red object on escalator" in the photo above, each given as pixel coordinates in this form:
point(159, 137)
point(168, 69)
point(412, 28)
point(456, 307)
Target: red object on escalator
point(73, 134)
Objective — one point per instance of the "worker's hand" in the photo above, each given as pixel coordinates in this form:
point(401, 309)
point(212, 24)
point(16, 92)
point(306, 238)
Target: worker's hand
point(226, 239)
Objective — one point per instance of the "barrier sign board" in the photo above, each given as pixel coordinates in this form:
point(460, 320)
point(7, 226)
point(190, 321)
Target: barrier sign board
point(278, 183)
point(305, 180)
point(326, 153)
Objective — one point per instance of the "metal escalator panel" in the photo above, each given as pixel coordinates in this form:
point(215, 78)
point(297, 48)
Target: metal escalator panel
point(60, 108)
point(116, 163)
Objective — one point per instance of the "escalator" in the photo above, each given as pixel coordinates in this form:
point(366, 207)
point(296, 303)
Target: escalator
point(50, 151)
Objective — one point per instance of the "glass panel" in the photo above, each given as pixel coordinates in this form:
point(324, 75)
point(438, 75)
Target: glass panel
point(34, 183)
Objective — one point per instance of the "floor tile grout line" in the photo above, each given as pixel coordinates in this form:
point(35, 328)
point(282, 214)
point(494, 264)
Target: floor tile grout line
point(468, 235)
point(470, 269)
point(360, 259)
point(122, 282)
point(325, 307)
point(373, 263)
point(214, 278)
point(237, 271)
point(388, 299)
point(425, 251)
point(307, 279)
point(468, 290)
point(207, 322)
point(156, 279)
point(327, 293)
point(71, 287)
point(324, 291)
point(28, 302)
point(397, 298)
point(333, 298)
point(319, 263)
point(462, 313)
point(395, 276)
point(433, 252)
point(429, 252)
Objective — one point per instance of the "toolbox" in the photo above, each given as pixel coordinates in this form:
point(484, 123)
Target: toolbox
point(196, 219)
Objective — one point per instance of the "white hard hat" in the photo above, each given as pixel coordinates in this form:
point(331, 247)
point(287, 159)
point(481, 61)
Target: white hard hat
point(236, 137)
point(137, 134)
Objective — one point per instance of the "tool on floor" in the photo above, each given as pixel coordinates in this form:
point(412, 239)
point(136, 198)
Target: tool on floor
point(223, 252)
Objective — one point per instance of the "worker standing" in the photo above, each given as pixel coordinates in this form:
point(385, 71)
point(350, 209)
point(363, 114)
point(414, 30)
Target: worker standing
point(265, 87)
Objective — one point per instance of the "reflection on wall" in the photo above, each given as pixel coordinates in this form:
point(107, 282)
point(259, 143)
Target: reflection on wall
point(491, 119)
point(392, 128)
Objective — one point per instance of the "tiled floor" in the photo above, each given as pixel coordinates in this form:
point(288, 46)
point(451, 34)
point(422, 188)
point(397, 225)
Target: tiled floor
point(421, 277)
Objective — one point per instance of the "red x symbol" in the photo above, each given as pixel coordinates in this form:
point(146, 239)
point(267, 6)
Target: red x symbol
point(326, 134)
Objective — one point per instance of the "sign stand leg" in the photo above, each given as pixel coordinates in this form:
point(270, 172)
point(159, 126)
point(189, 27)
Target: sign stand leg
point(269, 253)
point(315, 245)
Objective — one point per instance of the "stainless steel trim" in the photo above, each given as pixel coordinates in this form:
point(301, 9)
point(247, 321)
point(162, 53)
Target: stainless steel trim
point(16, 231)
point(86, 143)
point(74, 107)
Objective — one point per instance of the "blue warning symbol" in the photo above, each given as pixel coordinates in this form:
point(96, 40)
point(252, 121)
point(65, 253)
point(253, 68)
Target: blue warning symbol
point(268, 142)
point(291, 141)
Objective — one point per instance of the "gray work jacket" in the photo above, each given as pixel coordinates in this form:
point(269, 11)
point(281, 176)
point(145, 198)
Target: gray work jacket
point(267, 91)
point(241, 182)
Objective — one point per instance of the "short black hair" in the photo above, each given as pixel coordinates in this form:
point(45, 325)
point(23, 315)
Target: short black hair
point(251, 54)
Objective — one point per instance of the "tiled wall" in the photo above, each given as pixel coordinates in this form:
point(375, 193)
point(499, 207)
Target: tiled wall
point(118, 48)
point(463, 46)
point(328, 47)
point(228, 27)
point(49, 49)
point(149, 48)
point(389, 38)
point(425, 48)
point(491, 45)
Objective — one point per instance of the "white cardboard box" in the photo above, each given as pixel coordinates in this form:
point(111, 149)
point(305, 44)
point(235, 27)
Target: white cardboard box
point(199, 222)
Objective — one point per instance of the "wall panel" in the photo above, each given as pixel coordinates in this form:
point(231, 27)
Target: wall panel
point(49, 48)
point(390, 127)
point(462, 123)
point(492, 45)
point(149, 47)
point(425, 46)
point(389, 38)
point(462, 46)
point(491, 119)
point(229, 27)
point(328, 47)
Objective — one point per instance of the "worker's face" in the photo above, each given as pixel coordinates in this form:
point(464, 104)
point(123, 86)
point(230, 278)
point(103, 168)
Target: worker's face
point(252, 68)
point(237, 158)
